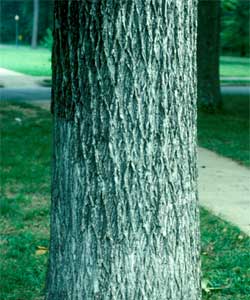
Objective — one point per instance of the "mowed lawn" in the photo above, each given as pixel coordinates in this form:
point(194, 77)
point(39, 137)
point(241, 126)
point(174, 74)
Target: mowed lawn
point(26, 60)
point(233, 66)
point(26, 154)
point(227, 132)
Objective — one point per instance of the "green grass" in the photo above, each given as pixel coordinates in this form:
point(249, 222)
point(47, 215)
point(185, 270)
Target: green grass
point(26, 60)
point(237, 82)
point(24, 219)
point(25, 179)
point(227, 132)
point(234, 66)
point(225, 259)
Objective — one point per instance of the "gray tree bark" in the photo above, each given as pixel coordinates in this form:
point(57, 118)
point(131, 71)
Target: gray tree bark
point(124, 214)
point(35, 23)
point(208, 51)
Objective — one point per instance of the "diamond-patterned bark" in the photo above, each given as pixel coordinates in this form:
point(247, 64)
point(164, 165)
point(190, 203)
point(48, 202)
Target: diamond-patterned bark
point(124, 219)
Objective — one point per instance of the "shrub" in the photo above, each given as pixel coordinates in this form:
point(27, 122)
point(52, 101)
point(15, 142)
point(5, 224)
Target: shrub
point(47, 41)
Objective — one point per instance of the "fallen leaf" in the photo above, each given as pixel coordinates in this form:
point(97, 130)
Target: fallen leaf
point(41, 250)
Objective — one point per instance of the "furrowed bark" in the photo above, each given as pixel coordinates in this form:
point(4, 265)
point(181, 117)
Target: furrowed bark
point(124, 219)
point(208, 53)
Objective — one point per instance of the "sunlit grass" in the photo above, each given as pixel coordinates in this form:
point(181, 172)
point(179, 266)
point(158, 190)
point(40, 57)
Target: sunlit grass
point(26, 60)
point(231, 66)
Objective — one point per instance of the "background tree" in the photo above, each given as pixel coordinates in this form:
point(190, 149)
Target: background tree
point(35, 23)
point(208, 50)
point(235, 27)
point(124, 219)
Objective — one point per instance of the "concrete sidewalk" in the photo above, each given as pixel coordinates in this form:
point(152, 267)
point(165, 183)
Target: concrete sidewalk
point(235, 90)
point(24, 88)
point(12, 79)
point(224, 188)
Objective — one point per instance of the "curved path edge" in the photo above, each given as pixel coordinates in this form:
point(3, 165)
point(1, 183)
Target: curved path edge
point(224, 188)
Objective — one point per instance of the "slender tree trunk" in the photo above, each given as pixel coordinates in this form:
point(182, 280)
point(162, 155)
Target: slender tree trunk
point(208, 54)
point(35, 23)
point(124, 219)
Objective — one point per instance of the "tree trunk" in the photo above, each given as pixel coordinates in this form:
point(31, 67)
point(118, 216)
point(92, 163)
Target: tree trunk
point(35, 23)
point(208, 54)
point(124, 219)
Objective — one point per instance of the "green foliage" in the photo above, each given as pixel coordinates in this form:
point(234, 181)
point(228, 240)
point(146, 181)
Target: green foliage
point(47, 41)
point(24, 8)
point(235, 27)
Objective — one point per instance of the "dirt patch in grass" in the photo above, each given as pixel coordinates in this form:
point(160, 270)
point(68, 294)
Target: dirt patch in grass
point(27, 112)
point(42, 104)
point(11, 190)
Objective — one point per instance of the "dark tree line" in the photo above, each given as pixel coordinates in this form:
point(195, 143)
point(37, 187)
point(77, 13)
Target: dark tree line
point(235, 27)
point(25, 10)
point(208, 53)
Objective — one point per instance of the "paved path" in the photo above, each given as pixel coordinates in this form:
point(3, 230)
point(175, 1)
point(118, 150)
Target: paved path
point(235, 90)
point(224, 185)
point(12, 79)
point(25, 94)
point(21, 87)
point(224, 188)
